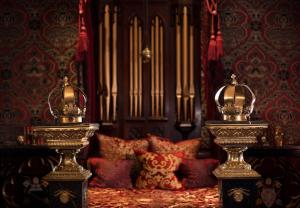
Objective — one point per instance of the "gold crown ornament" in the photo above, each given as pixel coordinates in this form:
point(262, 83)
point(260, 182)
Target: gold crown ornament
point(235, 101)
point(67, 103)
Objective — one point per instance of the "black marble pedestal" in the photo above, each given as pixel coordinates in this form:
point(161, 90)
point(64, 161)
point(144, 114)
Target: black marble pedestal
point(68, 194)
point(238, 192)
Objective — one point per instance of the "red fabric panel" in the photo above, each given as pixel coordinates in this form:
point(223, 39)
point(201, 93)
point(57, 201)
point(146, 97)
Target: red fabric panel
point(90, 65)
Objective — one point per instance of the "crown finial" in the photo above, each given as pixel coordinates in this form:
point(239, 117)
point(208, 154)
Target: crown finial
point(66, 81)
point(233, 79)
point(67, 103)
point(235, 101)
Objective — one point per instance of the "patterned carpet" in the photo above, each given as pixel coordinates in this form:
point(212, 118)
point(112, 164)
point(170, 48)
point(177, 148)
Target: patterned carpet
point(142, 198)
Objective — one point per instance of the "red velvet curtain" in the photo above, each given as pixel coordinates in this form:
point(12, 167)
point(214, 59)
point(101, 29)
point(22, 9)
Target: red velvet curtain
point(214, 80)
point(85, 55)
point(212, 70)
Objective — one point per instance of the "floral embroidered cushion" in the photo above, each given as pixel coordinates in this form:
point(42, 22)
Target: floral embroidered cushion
point(158, 171)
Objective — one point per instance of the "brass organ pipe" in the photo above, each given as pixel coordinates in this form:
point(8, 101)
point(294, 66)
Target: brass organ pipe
point(135, 74)
point(192, 84)
point(107, 59)
point(152, 71)
point(131, 70)
point(156, 51)
point(140, 73)
point(114, 65)
point(161, 88)
point(185, 62)
point(178, 67)
point(100, 75)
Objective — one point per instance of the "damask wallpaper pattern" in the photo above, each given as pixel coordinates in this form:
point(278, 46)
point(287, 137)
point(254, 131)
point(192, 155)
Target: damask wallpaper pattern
point(262, 46)
point(38, 41)
point(37, 47)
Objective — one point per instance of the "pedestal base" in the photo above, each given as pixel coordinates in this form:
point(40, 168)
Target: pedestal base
point(68, 194)
point(68, 169)
point(235, 138)
point(238, 193)
point(68, 181)
point(235, 166)
point(68, 176)
point(222, 172)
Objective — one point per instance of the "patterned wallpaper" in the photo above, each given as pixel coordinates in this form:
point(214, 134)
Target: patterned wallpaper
point(262, 46)
point(37, 47)
point(38, 40)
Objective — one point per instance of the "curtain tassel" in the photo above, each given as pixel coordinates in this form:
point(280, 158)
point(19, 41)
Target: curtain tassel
point(212, 47)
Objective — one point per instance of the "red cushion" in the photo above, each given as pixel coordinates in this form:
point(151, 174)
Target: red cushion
point(111, 173)
point(114, 148)
point(198, 173)
point(158, 171)
point(189, 147)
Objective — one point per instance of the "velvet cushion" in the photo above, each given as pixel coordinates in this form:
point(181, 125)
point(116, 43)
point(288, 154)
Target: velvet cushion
point(189, 147)
point(158, 171)
point(114, 148)
point(198, 173)
point(111, 173)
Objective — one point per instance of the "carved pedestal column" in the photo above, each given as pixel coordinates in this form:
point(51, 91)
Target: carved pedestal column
point(68, 180)
point(236, 178)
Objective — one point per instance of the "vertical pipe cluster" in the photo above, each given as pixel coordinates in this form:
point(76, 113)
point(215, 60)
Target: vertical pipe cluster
point(157, 68)
point(107, 74)
point(135, 68)
point(185, 84)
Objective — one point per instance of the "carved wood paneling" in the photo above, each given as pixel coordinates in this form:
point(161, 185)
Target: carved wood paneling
point(107, 63)
point(185, 66)
point(135, 65)
point(157, 68)
point(163, 92)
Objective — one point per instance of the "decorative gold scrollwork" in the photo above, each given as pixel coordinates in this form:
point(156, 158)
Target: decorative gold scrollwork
point(64, 195)
point(238, 194)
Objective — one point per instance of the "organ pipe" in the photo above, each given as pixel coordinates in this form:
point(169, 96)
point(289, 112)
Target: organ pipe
point(107, 60)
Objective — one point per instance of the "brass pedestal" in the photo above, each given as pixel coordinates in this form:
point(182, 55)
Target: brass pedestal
point(235, 138)
point(68, 180)
point(67, 140)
